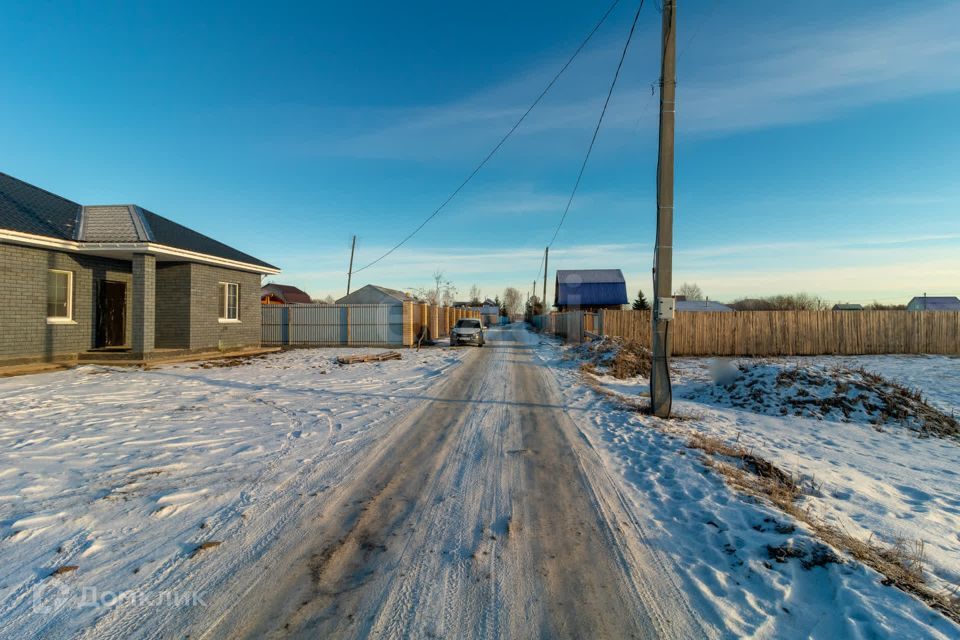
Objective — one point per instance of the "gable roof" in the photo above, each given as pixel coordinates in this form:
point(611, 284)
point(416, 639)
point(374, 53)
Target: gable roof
point(113, 223)
point(847, 306)
point(31, 210)
point(934, 303)
point(374, 294)
point(701, 305)
point(286, 292)
point(590, 287)
point(590, 276)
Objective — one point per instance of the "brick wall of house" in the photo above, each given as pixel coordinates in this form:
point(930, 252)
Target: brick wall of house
point(24, 332)
point(173, 305)
point(144, 303)
point(206, 330)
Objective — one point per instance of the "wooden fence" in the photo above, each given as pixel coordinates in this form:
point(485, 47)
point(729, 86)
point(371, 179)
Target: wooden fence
point(373, 325)
point(786, 333)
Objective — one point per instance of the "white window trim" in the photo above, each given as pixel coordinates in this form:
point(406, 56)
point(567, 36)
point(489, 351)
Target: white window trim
point(222, 313)
point(67, 319)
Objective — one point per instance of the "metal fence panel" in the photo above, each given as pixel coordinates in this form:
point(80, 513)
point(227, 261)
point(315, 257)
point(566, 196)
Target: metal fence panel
point(333, 325)
point(275, 325)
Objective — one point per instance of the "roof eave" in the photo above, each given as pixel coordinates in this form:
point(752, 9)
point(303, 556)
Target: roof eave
point(46, 242)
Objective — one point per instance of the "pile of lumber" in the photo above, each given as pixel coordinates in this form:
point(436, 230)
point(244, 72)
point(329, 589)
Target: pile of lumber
point(369, 357)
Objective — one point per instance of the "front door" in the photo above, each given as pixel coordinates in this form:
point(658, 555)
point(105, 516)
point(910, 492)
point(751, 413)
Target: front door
point(111, 313)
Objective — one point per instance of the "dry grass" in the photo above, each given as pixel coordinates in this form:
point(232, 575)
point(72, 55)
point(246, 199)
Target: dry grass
point(837, 394)
point(231, 361)
point(900, 563)
point(620, 358)
point(204, 546)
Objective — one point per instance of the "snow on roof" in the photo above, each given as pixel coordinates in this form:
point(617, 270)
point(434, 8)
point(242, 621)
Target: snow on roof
point(701, 305)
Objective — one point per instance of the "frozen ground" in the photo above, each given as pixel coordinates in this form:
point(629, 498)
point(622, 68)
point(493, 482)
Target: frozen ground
point(125, 473)
point(890, 484)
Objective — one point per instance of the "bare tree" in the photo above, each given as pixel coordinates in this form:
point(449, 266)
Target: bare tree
point(512, 301)
point(690, 290)
point(475, 299)
point(442, 291)
point(781, 302)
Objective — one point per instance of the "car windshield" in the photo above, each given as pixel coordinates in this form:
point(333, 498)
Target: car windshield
point(468, 323)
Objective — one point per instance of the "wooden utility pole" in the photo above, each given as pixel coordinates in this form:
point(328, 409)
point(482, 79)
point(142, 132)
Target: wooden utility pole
point(546, 267)
point(663, 302)
point(350, 270)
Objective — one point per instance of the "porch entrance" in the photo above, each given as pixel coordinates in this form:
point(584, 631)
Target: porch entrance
point(111, 314)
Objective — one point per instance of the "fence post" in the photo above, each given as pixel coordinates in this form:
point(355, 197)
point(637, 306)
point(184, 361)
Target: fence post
point(407, 324)
point(348, 326)
point(289, 325)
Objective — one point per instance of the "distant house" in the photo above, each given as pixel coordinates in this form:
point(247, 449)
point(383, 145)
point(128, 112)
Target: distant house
point(490, 308)
point(934, 303)
point(83, 279)
point(701, 305)
point(272, 293)
point(590, 289)
point(373, 294)
point(847, 306)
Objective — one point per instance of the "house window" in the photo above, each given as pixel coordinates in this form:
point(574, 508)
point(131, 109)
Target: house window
point(59, 296)
point(229, 301)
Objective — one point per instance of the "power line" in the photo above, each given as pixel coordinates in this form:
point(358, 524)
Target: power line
point(502, 140)
point(596, 129)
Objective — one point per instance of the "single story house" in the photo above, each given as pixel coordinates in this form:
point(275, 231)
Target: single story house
point(82, 280)
point(589, 289)
point(373, 294)
point(934, 303)
point(272, 293)
point(701, 305)
point(489, 308)
point(847, 306)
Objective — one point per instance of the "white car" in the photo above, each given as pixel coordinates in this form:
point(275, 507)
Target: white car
point(467, 330)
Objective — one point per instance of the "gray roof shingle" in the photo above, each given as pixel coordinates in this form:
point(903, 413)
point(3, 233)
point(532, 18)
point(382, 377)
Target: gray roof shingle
point(113, 223)
point(29, 209)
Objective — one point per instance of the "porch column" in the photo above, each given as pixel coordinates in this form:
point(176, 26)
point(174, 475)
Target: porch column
point(144, 296)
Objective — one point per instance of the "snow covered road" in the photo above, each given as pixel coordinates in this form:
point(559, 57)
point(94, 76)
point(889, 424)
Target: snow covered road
point(484, 515)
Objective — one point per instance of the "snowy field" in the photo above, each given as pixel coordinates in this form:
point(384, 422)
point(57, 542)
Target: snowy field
point(886, 483)
point(125, 474)
point(161, 485)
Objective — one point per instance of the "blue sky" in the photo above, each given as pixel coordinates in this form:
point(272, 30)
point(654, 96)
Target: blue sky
point(817, 146)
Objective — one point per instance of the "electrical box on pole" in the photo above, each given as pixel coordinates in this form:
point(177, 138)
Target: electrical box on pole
point(661, 395)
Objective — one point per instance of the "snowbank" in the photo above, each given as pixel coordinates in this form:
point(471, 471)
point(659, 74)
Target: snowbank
point(755, 571)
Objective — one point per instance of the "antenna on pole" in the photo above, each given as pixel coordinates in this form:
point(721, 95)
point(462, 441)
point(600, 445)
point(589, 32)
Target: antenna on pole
point(353, 246)
point(661, 394)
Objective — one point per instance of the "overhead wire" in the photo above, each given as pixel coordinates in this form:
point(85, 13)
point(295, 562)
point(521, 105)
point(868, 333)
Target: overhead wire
point(499, 144)
point(596, 131)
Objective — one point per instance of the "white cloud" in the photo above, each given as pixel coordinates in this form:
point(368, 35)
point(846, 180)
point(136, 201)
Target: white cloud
point(784, 76)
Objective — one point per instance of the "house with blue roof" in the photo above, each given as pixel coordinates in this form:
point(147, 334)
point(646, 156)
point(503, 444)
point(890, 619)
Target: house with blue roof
point(590, 289)
point(116, 281)
point(934, 303)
